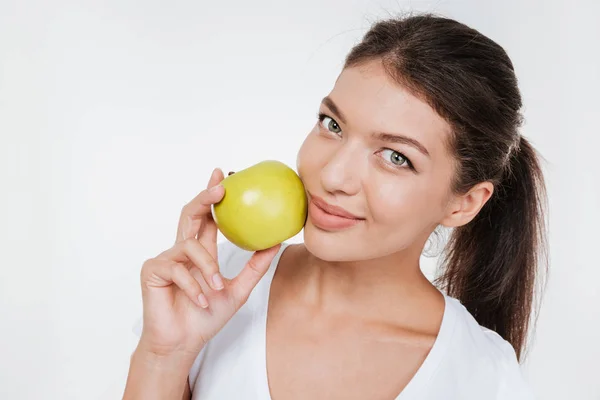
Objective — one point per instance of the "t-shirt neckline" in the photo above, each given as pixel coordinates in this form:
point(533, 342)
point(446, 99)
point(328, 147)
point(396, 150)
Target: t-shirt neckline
point(416, 385)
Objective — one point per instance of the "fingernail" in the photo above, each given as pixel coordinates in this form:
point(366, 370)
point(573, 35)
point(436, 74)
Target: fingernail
point(214, 188)
point(202, 300)
point(217, 282)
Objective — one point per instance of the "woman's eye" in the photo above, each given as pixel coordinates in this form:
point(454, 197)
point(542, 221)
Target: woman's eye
point(330, 124)
point(395, 157)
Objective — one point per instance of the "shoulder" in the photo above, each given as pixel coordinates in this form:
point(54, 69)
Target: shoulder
point(484, 353)
point(485, 342)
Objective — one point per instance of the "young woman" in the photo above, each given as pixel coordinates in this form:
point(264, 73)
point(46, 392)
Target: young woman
point(420, 131)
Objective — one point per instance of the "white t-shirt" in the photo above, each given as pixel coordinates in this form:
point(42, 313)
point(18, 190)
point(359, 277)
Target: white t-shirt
point(466, 362)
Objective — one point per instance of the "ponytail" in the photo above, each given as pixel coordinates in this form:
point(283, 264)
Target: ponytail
point(492, 263)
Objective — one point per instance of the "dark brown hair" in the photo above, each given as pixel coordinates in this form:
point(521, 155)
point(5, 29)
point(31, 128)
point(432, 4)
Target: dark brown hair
point(491, 264)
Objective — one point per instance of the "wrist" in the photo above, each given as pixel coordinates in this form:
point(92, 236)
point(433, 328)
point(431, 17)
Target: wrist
point(155, 375)
point(161, 358)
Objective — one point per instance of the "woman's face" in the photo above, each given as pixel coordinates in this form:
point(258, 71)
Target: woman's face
point(379, 153)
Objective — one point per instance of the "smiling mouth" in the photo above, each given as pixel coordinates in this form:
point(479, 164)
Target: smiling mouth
point(333, 210)
point(330, 218)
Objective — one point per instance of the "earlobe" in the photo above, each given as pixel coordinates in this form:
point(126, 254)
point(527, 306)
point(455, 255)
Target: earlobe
point(464, 208)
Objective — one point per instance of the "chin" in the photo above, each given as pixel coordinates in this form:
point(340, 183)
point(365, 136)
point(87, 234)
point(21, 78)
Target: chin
point(337, 246)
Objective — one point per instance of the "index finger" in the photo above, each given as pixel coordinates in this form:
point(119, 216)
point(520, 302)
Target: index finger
point(199, 207)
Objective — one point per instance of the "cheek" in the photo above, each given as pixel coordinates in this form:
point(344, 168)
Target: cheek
point(309, 158)
point(388, 202)
point(301, 157)
point(404, 203)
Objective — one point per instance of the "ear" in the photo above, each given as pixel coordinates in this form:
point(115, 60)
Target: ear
point(462, 209)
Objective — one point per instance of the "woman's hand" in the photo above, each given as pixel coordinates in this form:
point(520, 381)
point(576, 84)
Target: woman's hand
point(186, 300)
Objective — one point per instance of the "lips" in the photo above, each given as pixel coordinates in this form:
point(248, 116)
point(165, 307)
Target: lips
point(329, 217)
point(333, 210)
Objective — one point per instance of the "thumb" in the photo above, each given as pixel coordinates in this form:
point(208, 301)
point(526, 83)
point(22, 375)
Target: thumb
point(243, 284)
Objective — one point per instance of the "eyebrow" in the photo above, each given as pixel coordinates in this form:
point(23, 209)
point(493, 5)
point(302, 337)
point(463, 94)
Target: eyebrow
point(395, 138)
point(382, 136)
point(331, 105)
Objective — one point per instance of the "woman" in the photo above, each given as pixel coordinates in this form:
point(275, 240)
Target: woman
point(419, 131)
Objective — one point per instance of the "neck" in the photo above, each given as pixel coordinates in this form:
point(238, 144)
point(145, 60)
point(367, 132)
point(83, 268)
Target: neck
point(379, 288)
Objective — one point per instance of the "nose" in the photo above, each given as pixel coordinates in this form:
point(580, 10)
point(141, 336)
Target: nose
point(341, 174)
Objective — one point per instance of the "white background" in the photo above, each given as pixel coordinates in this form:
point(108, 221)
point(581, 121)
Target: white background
point(113, 114)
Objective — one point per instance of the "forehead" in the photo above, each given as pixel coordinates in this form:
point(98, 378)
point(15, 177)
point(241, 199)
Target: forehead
point(372, 102)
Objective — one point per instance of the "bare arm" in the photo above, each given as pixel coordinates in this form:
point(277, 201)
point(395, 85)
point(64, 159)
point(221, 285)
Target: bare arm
point(157, 377)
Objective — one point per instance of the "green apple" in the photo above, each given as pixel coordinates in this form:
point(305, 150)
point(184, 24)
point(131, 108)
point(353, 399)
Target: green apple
point(263, 205)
